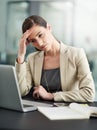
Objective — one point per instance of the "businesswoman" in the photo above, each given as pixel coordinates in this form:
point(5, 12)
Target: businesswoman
point(56, 71)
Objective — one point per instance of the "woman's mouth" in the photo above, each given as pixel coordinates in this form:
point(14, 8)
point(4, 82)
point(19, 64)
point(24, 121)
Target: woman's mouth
point(43, 47)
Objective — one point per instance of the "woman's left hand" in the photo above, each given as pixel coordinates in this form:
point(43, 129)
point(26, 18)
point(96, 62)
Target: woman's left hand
point(40, 92)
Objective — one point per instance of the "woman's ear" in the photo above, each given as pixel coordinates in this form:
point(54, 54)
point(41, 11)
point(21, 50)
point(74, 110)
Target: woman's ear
point(49, 27)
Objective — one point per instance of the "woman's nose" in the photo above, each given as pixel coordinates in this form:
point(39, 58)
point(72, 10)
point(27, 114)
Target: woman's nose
point(40, 42)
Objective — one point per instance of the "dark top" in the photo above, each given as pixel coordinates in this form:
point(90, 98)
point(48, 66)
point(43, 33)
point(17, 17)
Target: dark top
point(50, 80)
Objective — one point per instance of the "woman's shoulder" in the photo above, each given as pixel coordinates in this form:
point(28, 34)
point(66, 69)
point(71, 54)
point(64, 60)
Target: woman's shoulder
point(72, 49)
point(73, 52)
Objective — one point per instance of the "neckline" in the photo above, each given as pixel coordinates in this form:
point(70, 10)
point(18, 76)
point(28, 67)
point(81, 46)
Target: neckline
point(51, 69)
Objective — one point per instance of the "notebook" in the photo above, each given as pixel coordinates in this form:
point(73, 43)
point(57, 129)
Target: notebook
point(10, 96)
point(72, 111)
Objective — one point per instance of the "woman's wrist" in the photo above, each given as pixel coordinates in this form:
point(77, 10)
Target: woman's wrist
point(20, 60)
point(50, 96)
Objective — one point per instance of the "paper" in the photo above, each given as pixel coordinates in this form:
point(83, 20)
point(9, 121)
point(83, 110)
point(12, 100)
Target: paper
point(60, 113)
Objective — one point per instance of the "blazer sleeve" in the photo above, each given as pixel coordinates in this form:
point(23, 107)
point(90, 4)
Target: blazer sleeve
point(86, 88)
point(24, 77)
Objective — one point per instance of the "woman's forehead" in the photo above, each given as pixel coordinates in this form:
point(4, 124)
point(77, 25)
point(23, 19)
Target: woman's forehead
point(35, 30)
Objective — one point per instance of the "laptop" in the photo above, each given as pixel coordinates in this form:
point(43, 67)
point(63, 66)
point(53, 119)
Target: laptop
point(10, 96)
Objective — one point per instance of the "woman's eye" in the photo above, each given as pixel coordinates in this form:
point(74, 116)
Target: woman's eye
point(40, 35)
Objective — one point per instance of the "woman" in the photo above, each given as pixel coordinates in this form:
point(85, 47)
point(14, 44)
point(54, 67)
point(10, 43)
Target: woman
point(56, 71)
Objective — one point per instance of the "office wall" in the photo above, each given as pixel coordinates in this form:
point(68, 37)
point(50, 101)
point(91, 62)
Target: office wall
point(3, 26)
point(85, 31)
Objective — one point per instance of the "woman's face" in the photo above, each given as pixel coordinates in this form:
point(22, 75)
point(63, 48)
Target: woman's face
point(41, 38)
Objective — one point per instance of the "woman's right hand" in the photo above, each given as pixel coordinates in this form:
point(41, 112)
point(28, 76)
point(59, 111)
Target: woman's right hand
point(22, 46)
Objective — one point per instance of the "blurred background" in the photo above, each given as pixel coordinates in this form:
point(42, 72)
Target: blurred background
point(73, 22)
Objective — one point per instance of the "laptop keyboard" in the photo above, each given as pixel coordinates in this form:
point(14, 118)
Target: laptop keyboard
point(36, 103)
point(25, 105)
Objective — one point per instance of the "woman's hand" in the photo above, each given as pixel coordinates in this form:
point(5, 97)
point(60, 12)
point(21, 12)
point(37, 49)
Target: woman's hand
point(40, 92)
point(23, 45)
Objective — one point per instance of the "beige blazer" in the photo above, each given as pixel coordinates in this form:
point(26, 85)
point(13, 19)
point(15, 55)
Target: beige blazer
point(76, 79)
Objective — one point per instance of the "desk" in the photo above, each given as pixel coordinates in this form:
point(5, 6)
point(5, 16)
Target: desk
point(12, 120)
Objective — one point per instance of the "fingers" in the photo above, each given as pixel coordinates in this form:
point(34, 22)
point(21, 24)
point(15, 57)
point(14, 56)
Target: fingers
point(27, 34)
point(24, 38)
point(23, 43)
point(36, 93)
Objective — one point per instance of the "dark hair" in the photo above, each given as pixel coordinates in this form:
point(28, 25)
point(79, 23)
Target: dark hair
point(31, 21)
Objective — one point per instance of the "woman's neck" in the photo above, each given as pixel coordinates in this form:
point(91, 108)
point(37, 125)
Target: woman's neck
point(54, 50)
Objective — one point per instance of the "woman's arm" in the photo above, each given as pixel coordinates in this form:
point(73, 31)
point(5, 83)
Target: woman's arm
point(24, 76)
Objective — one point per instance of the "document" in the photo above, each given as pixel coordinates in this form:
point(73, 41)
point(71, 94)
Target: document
point(73, 111)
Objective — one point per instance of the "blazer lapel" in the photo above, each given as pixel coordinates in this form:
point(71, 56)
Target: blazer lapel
point(38, 67)
point(63, 66)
